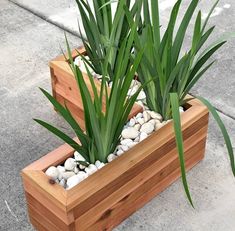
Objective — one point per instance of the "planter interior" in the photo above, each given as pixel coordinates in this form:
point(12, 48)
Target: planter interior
point(112, 194)
point(65, 89)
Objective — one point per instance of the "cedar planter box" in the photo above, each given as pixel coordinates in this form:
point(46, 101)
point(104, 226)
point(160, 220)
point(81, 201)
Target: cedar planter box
point(65, 89)
point(109, 196)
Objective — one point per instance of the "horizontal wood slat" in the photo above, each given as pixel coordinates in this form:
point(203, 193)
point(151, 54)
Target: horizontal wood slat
point(52, 216)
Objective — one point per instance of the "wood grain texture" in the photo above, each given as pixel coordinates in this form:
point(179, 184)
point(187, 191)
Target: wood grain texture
point(65, 89)
point(116, 191)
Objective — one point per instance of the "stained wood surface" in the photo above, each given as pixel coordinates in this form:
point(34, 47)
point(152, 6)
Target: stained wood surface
point(116, 191)
point(66, 91)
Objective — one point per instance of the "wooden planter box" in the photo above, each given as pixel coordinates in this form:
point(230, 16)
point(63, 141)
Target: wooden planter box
point(65, 89)
point(112, 194)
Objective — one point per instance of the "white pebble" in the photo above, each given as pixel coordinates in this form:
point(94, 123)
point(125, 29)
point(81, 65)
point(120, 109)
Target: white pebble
point(70, 164)
point(52, 172)
point(62, 183)
point(131, 122)
point(139, 115)
point(126, 141)
point(147, 128)
point(73, 181)
point(143, 136)
point(99, 164)
point(133, 144)
point(77, 61)
point(140, 121)
point(181, 109)
point(67, 175)
point(137, 127)
point(82, 166)
point(76, 170)
point(60, 177)
point(61, 168)
point(137, 139)
point(155, 115)
point(141, 96)
point(158, 126)
point(124, 148)
point(146, 116)
point(78, 156)
point(140, 103)
point(130, 133)
point(119, 152)
point(111, 157)
point(91, 169)
point(82, 175)
point(153, 121)
point(132, 90)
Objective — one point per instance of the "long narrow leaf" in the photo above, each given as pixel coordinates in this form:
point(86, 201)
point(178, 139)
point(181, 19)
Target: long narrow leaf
point(223, 130)
point(64, 137)
point(179, 141)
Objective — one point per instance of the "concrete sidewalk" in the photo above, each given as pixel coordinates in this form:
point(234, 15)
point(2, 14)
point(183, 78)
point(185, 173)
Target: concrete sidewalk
point(27, 43)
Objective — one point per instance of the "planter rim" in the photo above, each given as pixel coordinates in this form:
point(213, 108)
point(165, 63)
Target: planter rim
point(68, 199)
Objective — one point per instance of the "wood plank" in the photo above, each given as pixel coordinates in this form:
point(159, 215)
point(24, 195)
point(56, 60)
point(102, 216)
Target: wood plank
point(51, 215)
point(142, 182)
point(43, 220)
point(37, 225)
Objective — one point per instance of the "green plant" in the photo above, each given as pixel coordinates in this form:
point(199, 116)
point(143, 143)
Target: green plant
point(103, 126)
point(105, 28)
point(173, 71)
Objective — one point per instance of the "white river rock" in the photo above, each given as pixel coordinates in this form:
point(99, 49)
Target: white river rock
point(78, 156)
point(143, 136)
point(126, 142)
point(146, 116)
point(52, 172)
point(130, 133)
point(155, 115)
point(70, 164)
point(91, 169)
point(111, 157)
point(147, 128)
point(67, 175)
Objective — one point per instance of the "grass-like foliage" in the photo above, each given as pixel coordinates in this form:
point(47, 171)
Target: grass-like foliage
point(175, 72)
point(105, 28)
point(103, 125)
